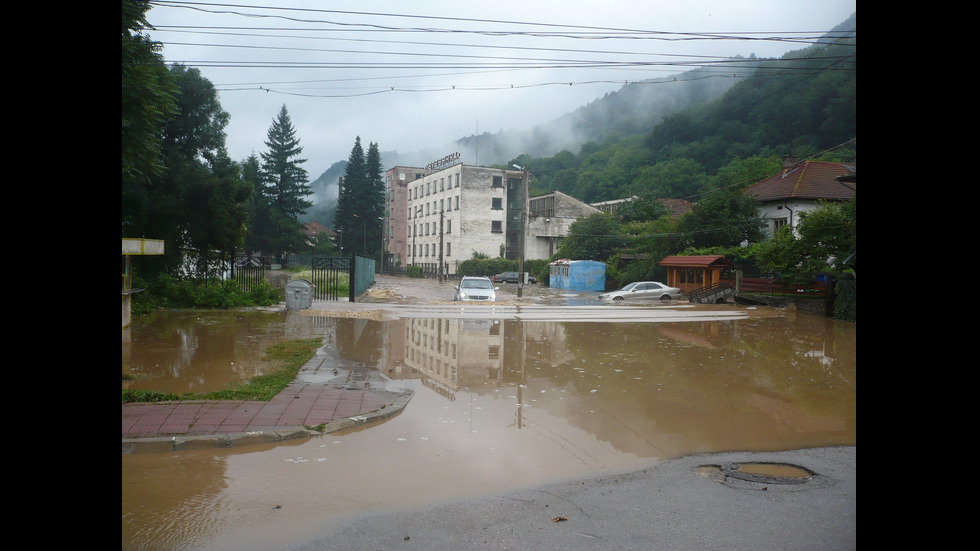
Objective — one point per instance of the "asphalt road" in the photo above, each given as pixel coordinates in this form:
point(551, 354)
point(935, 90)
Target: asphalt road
point(688, 503)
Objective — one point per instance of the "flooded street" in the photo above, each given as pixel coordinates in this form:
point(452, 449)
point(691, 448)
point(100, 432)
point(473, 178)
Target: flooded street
point(506, 397)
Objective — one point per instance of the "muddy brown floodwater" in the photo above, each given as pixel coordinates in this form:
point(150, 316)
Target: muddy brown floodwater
point(506, 397)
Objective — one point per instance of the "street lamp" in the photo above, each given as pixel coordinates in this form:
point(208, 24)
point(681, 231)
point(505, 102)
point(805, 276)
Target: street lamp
point(520, 282)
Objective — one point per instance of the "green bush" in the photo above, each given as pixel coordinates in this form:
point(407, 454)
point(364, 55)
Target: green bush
point(488, 267)
point(414, 271)
point(166, 291)
point(845, 303)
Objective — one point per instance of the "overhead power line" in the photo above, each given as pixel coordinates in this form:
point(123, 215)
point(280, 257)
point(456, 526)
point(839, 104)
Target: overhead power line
point(484, 59)
point(591, 30)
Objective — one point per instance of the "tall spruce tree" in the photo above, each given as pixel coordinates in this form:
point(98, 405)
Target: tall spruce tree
point(345, 223)
point(360, 205)
point(373, 201)
point(284, 190)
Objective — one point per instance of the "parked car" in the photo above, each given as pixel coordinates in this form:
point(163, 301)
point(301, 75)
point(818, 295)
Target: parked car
point(512, 277)
point(476, 288)
point(644, 290)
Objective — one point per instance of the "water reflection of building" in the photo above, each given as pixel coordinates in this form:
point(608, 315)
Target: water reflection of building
point(454, 353)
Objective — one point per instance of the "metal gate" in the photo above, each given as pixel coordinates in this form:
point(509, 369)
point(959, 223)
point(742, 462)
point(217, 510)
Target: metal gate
point(248, 270)
point(328, 274)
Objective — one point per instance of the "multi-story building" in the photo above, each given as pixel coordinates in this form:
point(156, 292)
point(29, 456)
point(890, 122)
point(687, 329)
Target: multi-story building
point(550, 218)
point(460, 210)
point(442, 217)
point(397, 180)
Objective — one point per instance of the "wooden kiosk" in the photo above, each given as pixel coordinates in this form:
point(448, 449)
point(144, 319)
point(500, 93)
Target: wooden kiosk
point(689, 273)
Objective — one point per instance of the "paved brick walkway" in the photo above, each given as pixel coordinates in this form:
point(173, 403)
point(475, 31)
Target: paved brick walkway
point(321, 394)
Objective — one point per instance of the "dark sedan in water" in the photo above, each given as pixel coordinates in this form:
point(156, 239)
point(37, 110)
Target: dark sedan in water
point(512, 277)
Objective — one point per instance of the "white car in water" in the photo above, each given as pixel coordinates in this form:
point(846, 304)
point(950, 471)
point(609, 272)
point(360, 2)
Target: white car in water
point(476, 289)
point(644, 290)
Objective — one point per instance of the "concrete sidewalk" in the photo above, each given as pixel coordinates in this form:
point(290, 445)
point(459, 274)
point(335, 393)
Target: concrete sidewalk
point(325, 396)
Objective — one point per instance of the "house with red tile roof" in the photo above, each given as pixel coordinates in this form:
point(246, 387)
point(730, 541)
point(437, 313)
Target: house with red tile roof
point(312, 229)
point(801, 187)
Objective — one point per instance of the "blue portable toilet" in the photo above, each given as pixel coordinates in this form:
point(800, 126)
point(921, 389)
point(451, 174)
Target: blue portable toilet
point(577, 275)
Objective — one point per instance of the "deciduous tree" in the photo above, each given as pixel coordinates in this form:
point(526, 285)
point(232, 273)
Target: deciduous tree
point(148, 91)
point(596, 237)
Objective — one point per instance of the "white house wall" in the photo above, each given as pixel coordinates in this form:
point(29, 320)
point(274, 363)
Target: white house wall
point(788, 210)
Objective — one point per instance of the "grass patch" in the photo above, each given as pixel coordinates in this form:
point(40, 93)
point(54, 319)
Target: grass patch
point(289, 357)
point(342, 281)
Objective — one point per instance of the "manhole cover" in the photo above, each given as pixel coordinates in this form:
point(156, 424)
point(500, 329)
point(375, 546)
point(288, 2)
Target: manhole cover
point(759, 474)
point(768, 473)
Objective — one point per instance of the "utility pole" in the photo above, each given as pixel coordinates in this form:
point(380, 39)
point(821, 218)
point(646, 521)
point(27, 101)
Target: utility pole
point(441, 220)
point(524, 221)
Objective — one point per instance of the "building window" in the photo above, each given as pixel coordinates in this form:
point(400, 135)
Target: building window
point(498, 181)
point(544, 206)
point(778, 223)
point(449, 226)
point(457, 180)
point(498, 203)
point(442, 184)
point(496, 226)
point(457, 202)
point(449, 249)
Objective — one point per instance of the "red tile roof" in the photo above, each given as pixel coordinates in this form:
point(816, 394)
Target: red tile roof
point(313, 228)
point(695, 261)
point(814, 180)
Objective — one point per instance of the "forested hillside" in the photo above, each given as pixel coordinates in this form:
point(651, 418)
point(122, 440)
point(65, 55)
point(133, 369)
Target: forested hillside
point(803, 105)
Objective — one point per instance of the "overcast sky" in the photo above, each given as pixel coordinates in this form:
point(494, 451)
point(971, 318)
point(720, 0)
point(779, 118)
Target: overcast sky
point(423, 73)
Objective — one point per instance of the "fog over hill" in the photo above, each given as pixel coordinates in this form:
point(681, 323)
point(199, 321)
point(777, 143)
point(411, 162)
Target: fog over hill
point(633, 109)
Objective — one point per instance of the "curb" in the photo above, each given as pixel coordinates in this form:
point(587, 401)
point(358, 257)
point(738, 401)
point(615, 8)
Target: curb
point(277, 434)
